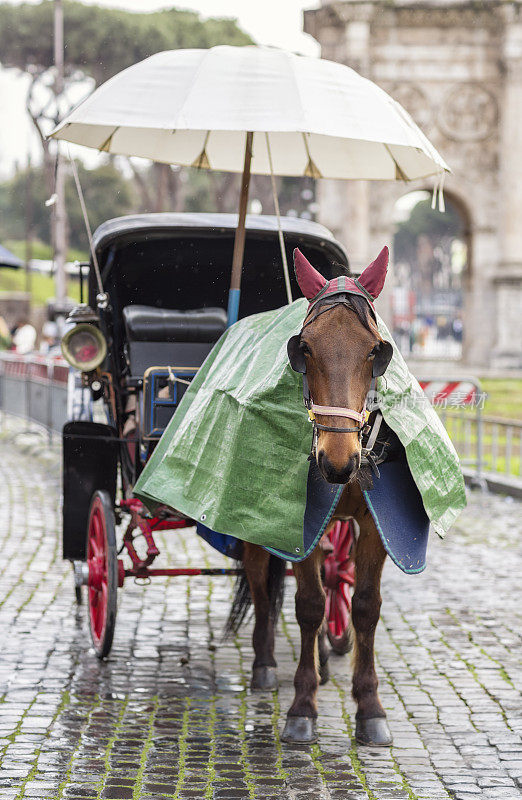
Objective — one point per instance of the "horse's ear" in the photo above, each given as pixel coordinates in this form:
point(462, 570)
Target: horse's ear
point(373, 277)
point(310, 281)
point(295, 354)
point(382, 356)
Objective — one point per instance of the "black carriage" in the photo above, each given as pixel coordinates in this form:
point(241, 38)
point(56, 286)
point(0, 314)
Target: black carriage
point(135, 348)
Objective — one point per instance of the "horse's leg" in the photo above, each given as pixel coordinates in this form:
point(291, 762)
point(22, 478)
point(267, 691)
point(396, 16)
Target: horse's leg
point(309, 607)
point(324, 654)
point(371, 726)
point(256, 562)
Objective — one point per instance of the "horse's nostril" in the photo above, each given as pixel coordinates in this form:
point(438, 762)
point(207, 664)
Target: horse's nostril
point(335, 475)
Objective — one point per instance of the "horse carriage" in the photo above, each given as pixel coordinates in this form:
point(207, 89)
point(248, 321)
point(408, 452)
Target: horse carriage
point(160, 340)
point(165, 278)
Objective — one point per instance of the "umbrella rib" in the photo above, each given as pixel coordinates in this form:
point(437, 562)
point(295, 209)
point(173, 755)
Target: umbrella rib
point(202, 162)
point(398, 171)
point(105, 148)
point(193, 80)
point(312, 170)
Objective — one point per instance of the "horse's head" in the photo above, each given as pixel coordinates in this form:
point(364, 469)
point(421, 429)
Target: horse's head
point(339, 350)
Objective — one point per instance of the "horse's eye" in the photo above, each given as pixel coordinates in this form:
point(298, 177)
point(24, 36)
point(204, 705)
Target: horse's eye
point(305, 349)
point(373, 353)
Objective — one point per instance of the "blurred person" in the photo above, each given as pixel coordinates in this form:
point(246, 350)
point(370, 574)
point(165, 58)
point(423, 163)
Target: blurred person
point(50, 343)
point(24, 337)
point(457, 329)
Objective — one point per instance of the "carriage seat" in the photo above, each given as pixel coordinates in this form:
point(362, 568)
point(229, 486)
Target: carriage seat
point(170, 337)
point(151, 324)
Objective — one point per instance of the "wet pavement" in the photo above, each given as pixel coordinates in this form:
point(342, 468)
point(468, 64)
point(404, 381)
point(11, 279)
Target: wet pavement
point(169, 715)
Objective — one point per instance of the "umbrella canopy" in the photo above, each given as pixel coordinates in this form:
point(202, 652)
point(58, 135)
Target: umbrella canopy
point(8, 259)
point(252, 110)
point(196, 107)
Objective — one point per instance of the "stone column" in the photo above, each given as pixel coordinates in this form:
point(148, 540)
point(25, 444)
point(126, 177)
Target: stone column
point(345, 205)
point(344, 209)
point(508, 278)
point(479, 296)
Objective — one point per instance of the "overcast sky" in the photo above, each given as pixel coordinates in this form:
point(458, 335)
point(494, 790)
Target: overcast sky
point(273, 22)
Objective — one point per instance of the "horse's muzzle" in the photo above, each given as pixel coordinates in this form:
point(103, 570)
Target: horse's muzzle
point(334, 475)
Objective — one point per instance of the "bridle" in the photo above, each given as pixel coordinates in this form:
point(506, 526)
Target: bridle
point(298, 363)
point(331, 411)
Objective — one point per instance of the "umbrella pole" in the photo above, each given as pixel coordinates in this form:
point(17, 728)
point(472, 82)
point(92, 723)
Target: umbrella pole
point(239, 240)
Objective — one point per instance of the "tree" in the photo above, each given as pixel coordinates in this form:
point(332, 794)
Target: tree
point(102, 41)
point(424, 242)
point(107, 194)
point(99, 42)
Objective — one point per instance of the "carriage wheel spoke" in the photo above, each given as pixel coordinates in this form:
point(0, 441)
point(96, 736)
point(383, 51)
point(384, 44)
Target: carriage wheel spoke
point(340, 574)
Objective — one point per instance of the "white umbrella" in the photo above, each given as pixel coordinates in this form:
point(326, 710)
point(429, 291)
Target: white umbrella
point(253, 110)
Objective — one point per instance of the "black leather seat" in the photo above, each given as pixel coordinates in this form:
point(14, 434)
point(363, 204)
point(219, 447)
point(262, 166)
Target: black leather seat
point(150, 324)
point(159, 337)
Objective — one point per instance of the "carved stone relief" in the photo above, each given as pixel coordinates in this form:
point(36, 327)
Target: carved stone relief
point(448, 65)
point(415, 101)
point(469, 112)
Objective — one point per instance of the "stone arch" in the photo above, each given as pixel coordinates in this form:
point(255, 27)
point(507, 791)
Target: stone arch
point(429, 279)
point(458, 71)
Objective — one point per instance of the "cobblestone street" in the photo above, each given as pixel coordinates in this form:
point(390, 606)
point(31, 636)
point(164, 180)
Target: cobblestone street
point(169, 715)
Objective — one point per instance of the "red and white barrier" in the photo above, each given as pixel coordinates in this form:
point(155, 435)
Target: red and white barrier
point(442, 392)
point(34, 366)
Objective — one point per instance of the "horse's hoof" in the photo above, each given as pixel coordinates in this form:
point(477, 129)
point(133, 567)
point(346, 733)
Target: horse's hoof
point(264, 679)
point(300, 730)
point(373, 732)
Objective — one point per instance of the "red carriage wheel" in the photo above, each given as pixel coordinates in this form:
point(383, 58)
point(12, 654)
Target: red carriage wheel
point(102, 562)
point(339, 578)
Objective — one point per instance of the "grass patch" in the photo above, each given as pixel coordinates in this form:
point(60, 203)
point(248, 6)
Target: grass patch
point(42, 251)
point(41, 286)
point(502, 449)
point(504, 397)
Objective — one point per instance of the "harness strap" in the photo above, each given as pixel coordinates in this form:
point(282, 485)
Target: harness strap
point(320, 427)
point(336, 411)
point(372, 438)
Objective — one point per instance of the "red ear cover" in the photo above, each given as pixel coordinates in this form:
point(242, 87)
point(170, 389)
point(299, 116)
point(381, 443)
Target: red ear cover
point(310, 281)
point(374, 276)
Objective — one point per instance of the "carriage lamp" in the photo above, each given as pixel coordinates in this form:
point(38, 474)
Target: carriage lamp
point(83, 345)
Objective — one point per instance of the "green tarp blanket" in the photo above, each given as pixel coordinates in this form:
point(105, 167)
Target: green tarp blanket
point(234, 455)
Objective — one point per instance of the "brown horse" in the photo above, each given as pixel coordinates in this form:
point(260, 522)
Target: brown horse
point(339, 349)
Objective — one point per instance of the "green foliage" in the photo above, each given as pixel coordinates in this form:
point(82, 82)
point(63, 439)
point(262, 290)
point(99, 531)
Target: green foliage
point(42, 250)
point(102, 41)
point(107, 194)
point(99, 42)
point(41, 286)
point(504, 397)
point(429, 222)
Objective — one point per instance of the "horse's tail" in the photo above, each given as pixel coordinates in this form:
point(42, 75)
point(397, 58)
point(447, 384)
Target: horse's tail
point(243, 599)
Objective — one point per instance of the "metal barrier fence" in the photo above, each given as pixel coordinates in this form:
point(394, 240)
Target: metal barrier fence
point(491, 445)
point(34, 387)
point(46, 391)
point(466, 395)
point(499, 441)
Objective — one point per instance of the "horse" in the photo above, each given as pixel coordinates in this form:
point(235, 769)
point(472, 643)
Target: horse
point(340, 352)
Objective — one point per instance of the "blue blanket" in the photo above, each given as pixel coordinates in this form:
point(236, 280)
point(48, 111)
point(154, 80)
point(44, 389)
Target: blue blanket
point(394, 503)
